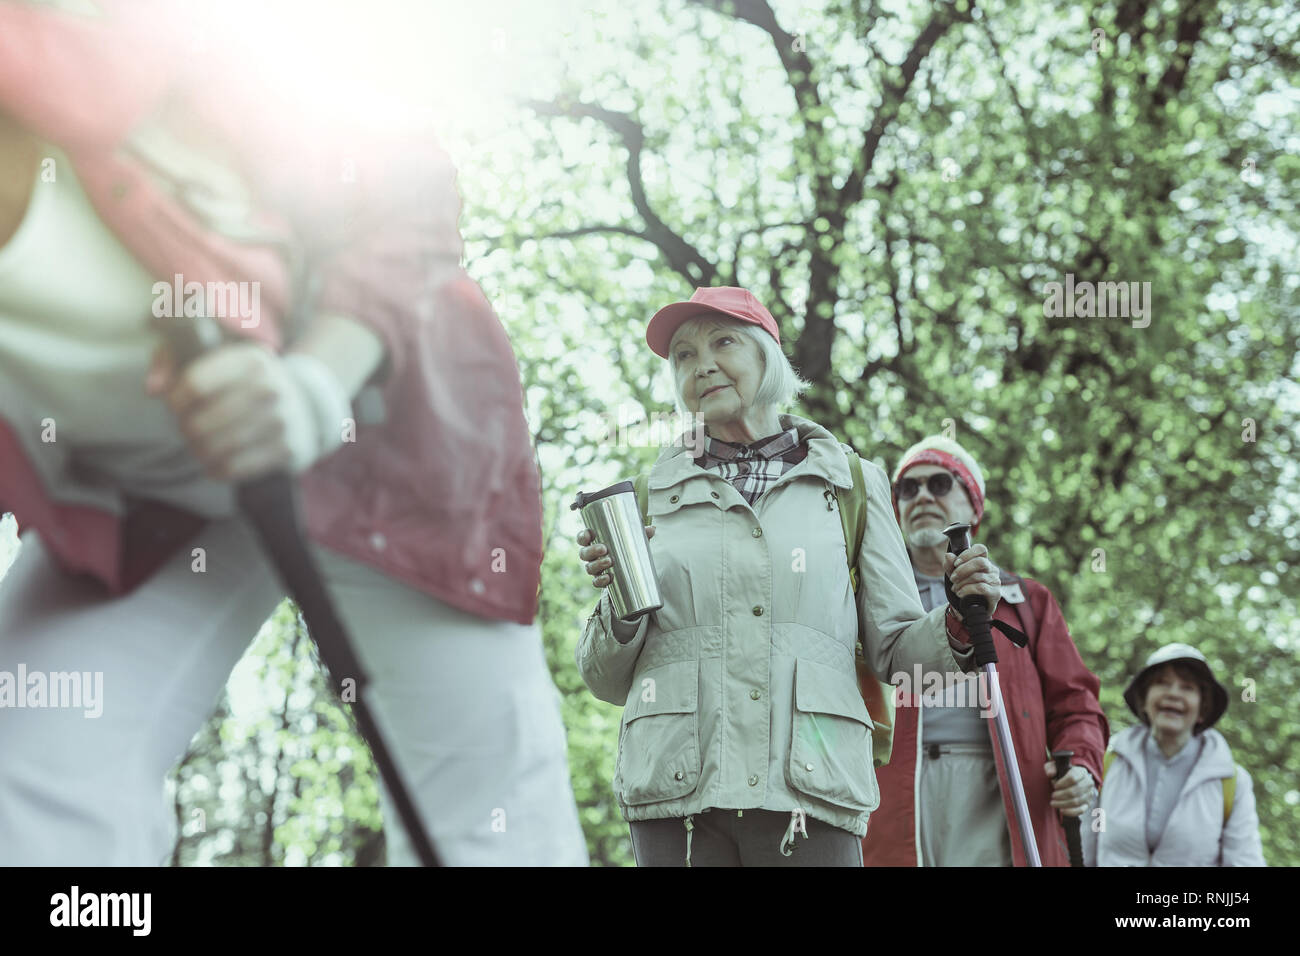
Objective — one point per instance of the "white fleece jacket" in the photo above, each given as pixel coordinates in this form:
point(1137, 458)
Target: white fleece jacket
point(1196, 834)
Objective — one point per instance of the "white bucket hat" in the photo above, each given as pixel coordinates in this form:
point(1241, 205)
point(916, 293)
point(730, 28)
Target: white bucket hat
point(1186, 654)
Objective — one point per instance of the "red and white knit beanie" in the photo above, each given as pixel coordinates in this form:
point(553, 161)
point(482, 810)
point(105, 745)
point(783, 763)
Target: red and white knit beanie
point(946, 453)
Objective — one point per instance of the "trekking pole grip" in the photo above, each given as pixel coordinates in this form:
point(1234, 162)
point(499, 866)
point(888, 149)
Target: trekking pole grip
point(974, 608)
point(1073, 839)
point(188, 337)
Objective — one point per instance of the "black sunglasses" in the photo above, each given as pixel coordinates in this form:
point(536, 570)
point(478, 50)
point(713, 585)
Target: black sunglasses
point(940, 483)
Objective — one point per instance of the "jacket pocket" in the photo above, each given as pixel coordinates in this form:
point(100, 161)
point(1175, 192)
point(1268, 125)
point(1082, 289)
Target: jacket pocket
point(830, 746)
point(659, 748)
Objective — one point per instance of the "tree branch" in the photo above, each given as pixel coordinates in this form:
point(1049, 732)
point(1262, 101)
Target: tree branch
point(589, 231)
point(682, 257)
point(1030, 138)
point(813, 350)
point(798, 67)
point(1191, 21)
point(891, 103)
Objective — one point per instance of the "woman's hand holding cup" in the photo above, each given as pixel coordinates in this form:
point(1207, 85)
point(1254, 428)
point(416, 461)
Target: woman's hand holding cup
point(598, 559)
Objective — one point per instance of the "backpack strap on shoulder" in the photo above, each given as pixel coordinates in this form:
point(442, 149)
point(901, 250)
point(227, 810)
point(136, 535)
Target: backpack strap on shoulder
point(853, 513)
point(642, 485)
point(876, 694)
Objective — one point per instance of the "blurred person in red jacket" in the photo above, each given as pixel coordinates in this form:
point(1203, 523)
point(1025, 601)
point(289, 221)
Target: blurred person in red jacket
point(138, 180)
point(944, 796)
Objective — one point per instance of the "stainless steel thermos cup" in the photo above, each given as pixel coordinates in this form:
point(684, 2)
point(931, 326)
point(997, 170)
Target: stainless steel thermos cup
point(613, 517)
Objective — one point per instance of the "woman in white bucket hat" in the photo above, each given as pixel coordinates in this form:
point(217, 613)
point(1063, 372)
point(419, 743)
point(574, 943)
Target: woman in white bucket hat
point(1171, 794)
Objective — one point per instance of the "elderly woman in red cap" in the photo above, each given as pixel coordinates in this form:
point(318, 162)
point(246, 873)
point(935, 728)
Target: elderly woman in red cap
point(1171, 793)
point(745, 740)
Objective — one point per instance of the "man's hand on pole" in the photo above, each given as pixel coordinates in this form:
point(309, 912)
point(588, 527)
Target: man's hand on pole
point(971, 572)
point(1073, 793)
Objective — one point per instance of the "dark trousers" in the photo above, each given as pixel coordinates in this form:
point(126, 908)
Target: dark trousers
point(742, 838)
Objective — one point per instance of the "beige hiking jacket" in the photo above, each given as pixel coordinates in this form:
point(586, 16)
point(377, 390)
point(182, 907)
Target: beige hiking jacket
point(741, 692)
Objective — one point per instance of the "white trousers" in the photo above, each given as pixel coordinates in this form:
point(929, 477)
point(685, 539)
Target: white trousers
point(466, 705)
point(963, 822)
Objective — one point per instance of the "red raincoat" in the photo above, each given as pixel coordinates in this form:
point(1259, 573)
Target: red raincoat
point(442, 490)
point(1051, 701)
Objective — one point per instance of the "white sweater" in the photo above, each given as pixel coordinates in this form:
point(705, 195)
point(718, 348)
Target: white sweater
point(1195, 834)
point(75, 347)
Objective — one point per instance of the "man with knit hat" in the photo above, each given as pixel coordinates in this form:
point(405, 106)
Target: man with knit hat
point(944, 796)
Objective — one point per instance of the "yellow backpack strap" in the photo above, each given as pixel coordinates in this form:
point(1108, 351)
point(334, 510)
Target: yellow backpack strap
point(853, 514)
point(642, 485)
point(876, 694)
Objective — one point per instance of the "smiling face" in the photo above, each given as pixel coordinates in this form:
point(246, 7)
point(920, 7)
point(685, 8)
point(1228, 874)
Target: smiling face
point(1173, 703)
point(717, 370)
point(924, 517)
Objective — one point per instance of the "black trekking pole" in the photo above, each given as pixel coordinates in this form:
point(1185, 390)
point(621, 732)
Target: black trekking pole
point(975, 614)
point(272, 509)
point(1073, 840)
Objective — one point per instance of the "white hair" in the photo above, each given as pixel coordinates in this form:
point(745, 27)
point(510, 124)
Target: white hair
point(780, 385)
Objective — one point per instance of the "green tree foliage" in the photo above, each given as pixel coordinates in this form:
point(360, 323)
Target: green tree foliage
point(282, 778)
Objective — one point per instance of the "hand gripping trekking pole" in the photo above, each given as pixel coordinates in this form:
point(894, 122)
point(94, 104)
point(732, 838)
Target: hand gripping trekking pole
point(272, 508)
point(975, 614)
point(1073, 840)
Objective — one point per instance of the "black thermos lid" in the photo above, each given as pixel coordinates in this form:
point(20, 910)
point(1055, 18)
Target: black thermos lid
point(585, 499)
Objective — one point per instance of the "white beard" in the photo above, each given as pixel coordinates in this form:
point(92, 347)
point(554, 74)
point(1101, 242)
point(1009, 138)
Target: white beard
point(926, 538)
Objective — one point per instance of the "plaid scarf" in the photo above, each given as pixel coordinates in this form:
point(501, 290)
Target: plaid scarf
point(755, 467)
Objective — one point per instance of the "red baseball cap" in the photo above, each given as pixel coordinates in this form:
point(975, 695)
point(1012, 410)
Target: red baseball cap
point(719, 300)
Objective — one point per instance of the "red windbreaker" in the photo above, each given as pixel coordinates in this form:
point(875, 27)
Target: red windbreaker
point(1051, 701)
point(442, 493)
